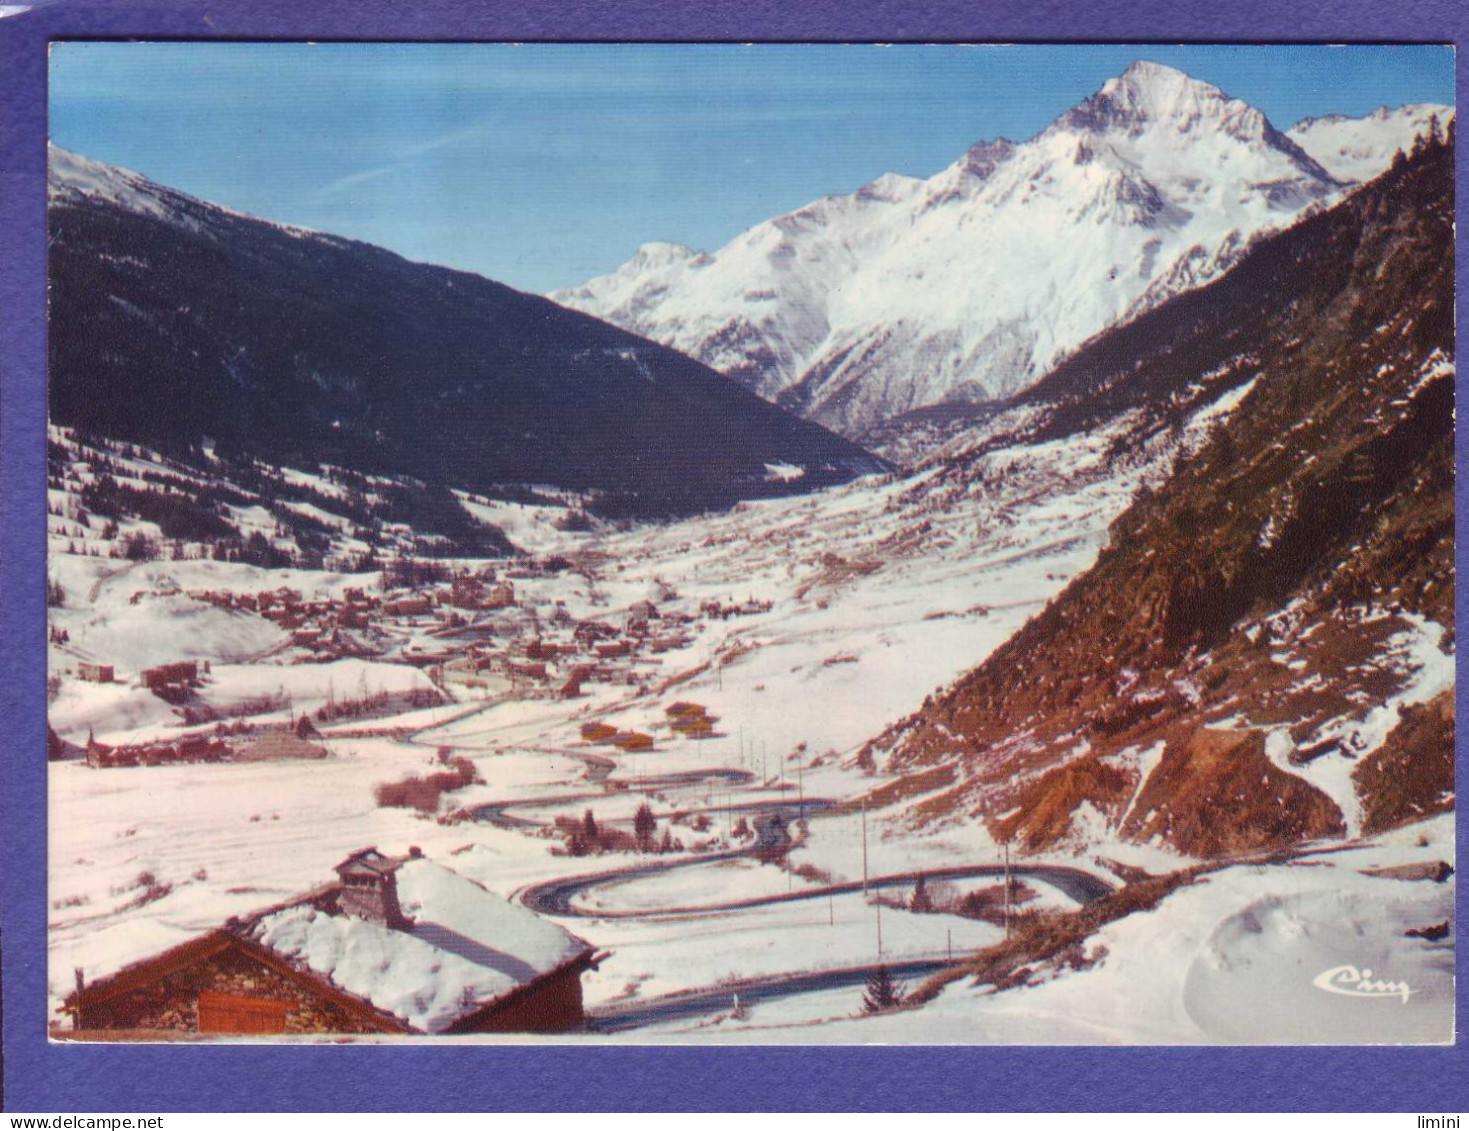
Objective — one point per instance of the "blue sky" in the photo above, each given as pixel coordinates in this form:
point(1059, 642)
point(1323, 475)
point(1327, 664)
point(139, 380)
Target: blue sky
point(542, 165)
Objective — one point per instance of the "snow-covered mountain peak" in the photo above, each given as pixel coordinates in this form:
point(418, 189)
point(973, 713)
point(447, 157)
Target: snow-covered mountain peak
point(888, 188)
point(1168, 107)
point(1150, 93)
point(661, 253)
point(72, 175)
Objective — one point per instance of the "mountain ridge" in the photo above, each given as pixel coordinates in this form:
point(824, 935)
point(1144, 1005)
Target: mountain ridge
point(174, 321)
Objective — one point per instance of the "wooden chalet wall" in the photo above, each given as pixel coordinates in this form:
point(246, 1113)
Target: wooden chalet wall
point(230, 977)
point(550, 1004)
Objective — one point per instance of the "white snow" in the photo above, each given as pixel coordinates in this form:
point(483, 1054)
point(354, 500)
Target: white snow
point(1359, 149)
point(1417, 656)
point(466, 947)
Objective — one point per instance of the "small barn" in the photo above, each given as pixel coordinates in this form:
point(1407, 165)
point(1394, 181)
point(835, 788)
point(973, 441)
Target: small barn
point(182, 673)
point(278, 746)
point(413, 605)
point(95, 673)
point(399, 944)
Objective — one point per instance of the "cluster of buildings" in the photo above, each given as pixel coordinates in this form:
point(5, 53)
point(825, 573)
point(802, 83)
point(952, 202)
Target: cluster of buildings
point(331, 628)
point(273, 745)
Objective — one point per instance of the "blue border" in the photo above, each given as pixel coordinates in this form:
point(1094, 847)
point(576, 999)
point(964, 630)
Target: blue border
point(42, 1078)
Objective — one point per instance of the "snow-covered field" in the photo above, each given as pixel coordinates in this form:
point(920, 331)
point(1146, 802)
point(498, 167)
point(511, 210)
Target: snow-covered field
point(857, 603)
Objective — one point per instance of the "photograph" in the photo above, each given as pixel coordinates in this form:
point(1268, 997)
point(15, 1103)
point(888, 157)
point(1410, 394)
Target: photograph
point(768, 544)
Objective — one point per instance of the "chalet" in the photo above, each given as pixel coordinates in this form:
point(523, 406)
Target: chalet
point(413, 605)
point(590, 631)
point(695, 726)
point(613, 648)
point(95, 673)
point(639, 615)
point(474, 673)
point(598, 732)
point(571, 686)
point(183, 673)
point(501, 596)
point(396, 945)
point(193, 748)
point(536, 670)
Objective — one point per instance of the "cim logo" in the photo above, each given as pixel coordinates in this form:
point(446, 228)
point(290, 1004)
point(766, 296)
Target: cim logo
point(1351, 982)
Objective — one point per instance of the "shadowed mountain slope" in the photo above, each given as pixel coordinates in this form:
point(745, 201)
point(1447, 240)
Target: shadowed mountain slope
point(174, 322)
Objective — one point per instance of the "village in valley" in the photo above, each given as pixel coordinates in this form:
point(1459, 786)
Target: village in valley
point(609, 703)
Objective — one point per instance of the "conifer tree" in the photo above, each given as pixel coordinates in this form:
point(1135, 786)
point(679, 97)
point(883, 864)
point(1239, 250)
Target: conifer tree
point(883, 991)
point(921, 901)
point(644, 825)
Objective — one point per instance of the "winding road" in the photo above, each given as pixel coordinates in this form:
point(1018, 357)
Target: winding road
point(557, 897)
point(554, 897)
point(617, 1017)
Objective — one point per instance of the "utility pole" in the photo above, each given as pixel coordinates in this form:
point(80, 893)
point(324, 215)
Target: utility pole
point(1007, 889)
point(800, 787)
point(831, 910)
point(951, 943)
point(864, 848)
point(878, 905)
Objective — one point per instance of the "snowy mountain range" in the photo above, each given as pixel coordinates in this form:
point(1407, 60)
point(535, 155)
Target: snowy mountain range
point(1358, 149)
point(972, 284)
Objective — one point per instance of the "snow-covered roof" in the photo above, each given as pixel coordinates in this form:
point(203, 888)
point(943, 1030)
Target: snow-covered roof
point(465, 948)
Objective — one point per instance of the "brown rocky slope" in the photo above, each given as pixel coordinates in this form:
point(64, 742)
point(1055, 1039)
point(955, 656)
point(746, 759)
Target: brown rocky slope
point(1258, 657)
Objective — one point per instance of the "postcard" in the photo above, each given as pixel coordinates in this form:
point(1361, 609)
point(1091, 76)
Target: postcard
point(704, 544)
